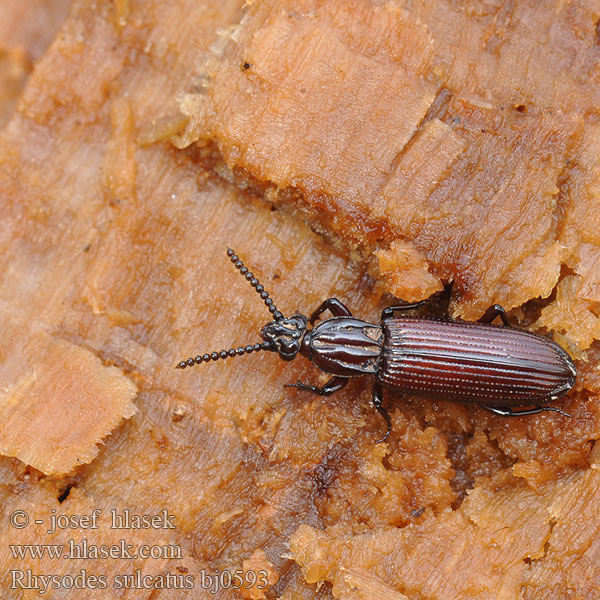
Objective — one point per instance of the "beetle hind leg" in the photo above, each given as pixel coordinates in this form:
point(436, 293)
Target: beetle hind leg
point(333, 385)
point(505, 411)
point(378, 404)
point(492, 312)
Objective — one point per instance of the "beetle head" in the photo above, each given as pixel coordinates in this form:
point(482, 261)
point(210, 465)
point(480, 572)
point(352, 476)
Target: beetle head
point(285, 335)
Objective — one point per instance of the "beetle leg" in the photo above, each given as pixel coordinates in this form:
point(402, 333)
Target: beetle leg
point(333, 385)
point(336, 308)
point(378, 404)
point(389, 311)
point(492, 312)
point(505, 411)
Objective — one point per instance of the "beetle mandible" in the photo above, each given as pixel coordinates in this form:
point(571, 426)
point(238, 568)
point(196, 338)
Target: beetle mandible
point(491, 366)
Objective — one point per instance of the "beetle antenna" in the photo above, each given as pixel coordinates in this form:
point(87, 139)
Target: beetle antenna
point(190, 362)
point(253, 281)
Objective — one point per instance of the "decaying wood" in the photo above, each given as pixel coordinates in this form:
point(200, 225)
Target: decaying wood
point(62, 403)
point(26, 29)
point(457, 129)
point(419, 135)
point(523, 550)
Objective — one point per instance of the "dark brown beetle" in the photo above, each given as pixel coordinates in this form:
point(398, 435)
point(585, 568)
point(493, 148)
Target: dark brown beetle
point(489, 365)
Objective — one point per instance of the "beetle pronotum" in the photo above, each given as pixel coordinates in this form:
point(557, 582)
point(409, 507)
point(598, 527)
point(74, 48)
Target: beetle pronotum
point(492, 366)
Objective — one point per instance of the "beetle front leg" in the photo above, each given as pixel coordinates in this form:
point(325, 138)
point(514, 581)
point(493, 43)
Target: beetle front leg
point(492, 312)
point(333, 385)
point(336, 308)
point(505, 411)
point(378, 404)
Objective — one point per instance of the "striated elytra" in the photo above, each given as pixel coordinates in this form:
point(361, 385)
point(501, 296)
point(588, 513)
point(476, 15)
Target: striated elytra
point(496, 367)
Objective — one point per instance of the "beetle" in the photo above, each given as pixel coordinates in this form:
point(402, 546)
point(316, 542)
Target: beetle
point(495, 367)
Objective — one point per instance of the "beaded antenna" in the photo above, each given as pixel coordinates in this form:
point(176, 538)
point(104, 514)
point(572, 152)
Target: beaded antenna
point(231, 352)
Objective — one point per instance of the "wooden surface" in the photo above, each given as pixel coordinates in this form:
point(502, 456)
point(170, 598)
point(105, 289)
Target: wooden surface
point(433, 143)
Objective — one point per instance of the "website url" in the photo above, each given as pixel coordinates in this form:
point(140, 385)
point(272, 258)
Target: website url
point(73, 550)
